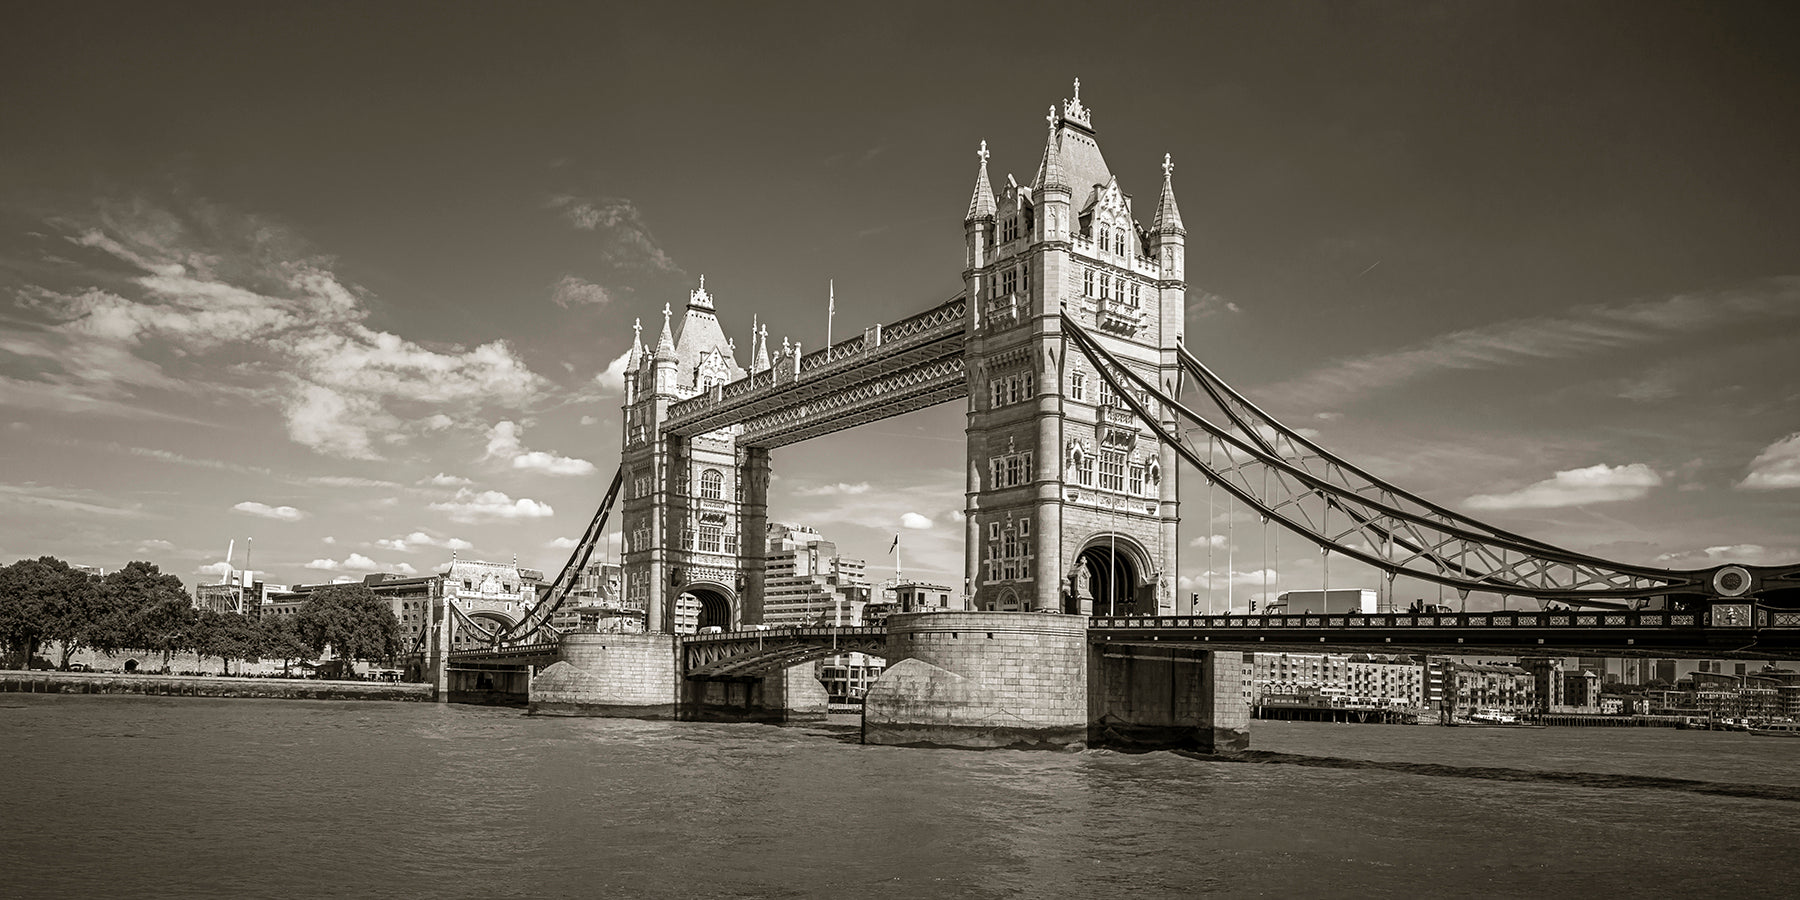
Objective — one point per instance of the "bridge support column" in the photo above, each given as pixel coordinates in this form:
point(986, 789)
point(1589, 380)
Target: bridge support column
point(753, 535)
point(1146, 697)
point(975, 679)
point(623, 675)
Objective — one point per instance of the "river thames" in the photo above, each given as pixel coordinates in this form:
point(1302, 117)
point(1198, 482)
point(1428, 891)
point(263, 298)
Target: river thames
point(169, 797)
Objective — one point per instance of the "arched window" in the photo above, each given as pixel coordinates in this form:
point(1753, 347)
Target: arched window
point(1119, 241)
point(712, 485)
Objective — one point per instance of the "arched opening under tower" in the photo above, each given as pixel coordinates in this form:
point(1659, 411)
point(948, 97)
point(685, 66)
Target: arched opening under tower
point(1112, 578)
point(715, 607)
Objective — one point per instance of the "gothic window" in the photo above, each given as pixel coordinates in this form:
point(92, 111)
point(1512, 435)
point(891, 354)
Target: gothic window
point(712, 485)
point(1087, 282)
point(1105, 288)
point(997, 472)
point(1025, 279)
point(1012, 390)
point(1028, 385)
point(1137, 479)
point(1086, 466)
point(998, 388)
point(1078, 386)
point(1134, 294)
point(1118, 287)
point(711, 540)
point(1107, 397)
point(1112, 470)
point(1119, 241)
point(1012, 470)
point(1009, 282)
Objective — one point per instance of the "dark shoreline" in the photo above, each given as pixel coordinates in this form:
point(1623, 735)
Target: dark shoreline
point(39, 682)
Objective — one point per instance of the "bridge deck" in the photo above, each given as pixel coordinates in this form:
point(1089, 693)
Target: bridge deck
point(1772, 634)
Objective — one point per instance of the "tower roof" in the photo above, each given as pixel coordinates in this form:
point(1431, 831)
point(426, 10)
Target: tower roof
point(982, 203)
point(698, 335)
point(1073, 152)
point(1168, 215)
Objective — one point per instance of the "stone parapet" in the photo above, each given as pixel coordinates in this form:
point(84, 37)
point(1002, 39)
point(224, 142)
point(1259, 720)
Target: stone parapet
point(981, 679)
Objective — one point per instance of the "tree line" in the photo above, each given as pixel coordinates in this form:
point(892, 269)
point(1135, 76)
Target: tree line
point(139, 607)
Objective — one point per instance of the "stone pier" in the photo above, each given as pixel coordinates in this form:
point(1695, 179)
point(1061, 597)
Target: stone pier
point(1145, 697)
point(981, 679)
point(625, 675)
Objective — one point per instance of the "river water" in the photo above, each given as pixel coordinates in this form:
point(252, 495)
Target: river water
point(171, 797)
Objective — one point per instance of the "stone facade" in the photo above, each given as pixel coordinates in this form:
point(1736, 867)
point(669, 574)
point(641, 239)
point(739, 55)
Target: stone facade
point(628, 675)
point(1068, 502)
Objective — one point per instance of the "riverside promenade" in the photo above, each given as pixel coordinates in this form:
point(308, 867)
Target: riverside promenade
point(41, 682)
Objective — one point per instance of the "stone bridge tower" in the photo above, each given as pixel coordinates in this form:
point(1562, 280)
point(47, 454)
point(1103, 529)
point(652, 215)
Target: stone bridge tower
point(691, 515)
point(1072, 503)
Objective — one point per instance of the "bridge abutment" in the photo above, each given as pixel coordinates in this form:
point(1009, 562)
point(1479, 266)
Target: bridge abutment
point(980, 680)
point(1167, 698)
point(624, 675)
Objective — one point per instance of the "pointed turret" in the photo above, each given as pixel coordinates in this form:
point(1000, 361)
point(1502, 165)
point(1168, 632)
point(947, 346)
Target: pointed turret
point(760, 359)
point(635, 356)
point(1168, 215)
point(1050, 174)
point(981, 205)
point(665, 345)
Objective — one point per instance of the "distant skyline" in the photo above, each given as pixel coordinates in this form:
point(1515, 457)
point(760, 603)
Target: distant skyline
point(356, 281)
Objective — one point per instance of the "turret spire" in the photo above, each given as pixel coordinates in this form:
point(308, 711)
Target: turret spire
point(1050, 171)
point(760, 356)
point(982, 203)
point(636, 354)
point(1168, 215)
point(666, 343)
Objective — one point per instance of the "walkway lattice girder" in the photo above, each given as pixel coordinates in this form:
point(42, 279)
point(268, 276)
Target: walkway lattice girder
point(780, 394)
point(748, 653)
point(1401, 534)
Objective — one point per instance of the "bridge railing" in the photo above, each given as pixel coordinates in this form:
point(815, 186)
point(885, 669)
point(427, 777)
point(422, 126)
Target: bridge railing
point(942, 317)
point(1498, 619)
point(518, 650)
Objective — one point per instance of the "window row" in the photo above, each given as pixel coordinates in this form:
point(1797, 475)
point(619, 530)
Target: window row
point(1111, 240)
point(1012, 389)
point(1011, 280)
point(1009, 550)
point(1010, 470)
point(1111, 287)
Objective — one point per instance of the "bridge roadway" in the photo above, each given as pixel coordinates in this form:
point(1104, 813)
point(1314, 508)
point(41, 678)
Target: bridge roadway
point(1759, 633)
point(1755, 633)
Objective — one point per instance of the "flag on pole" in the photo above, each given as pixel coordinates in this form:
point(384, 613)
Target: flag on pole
point(896, 544)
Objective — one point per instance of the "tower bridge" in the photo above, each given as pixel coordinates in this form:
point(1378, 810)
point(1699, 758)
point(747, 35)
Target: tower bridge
point(1067, 345)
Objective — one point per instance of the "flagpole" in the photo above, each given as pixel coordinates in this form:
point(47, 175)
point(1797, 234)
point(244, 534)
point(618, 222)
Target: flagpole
point(830, 311)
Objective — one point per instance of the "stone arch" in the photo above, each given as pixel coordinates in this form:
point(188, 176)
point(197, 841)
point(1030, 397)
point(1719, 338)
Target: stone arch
point(1118, 573)
point(717, 604)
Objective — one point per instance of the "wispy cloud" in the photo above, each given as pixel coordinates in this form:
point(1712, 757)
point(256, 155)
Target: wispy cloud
point(1777, 467)
point(505, 443)
point(1582, 331)
point(1598, 483)
point(264, 510)
point(626, 240)
point(915, 521)
point(572, 291)
point(356, 562)
point(1745, 554)
point(829, 490)
point(443, 480)
point(65, 500)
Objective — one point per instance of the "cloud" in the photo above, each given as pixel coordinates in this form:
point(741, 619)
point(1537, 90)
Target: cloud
point(828, 490)
point(504, 442)
point(1744, 554)
point(626, 240)
point(1215, 540)
point(203, 299)
point(350, 481)
point(1777, 467)
point(572, 291)
point(443, 480)
point(328, 539)
point(355, 562)
point(219, 569)
point(417, 539)
point(470, 506)
point(611, 380)
point(564, 543)
point(284, 513)
point(1599, 483)
point(1581, 332)
point(915, 521)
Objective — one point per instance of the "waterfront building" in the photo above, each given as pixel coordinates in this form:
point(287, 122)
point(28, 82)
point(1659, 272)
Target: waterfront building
point(807, 583)
point(1352, 681)
point(1502, 686)
point(497, 594)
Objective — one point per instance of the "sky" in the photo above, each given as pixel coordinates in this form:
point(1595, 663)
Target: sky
point(354, 280)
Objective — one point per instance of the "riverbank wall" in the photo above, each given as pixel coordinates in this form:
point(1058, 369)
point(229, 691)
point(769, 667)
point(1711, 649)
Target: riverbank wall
point(20, 682)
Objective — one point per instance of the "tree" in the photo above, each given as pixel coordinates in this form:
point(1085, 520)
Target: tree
point(75, 611)
point(352, 620)
point(227, 636)
point(279, 638)
point(154, 608)
point(25, 589)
